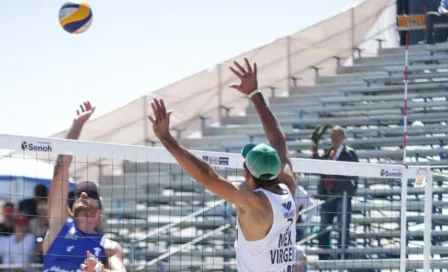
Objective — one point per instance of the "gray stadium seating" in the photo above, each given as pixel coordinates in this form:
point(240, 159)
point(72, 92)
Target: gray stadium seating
point(366, 98)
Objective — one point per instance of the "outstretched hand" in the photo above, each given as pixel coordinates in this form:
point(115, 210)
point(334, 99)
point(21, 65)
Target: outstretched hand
point(161, 120)
point(83, 113)
point(92, 263)
point(248, 77)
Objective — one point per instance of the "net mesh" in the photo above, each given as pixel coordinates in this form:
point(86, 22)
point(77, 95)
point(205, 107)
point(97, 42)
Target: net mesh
point(165, 221)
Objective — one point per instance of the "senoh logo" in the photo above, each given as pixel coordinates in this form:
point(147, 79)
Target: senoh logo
point(39, 146)
point(393, 173)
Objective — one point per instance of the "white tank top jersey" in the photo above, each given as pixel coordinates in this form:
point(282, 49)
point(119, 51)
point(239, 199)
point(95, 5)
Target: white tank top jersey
point(277, 251)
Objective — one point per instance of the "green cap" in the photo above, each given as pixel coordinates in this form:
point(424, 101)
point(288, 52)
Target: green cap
point(262, 161)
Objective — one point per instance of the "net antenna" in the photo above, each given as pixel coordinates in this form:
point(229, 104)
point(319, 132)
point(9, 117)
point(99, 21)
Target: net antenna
point(404, 179)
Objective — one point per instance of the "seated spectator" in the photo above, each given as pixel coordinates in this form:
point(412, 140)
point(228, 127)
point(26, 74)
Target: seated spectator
point(28, 206)
point(39, 227)
point(39, 224)
point(434, 17)
point(158, 267)
point(18, 248)
point(6, 227)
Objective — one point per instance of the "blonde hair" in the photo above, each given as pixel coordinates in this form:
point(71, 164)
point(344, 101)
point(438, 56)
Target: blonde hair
point(340, 130)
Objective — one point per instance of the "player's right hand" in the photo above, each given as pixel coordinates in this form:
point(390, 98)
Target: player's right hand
point(161, 120)
point(91, 265)
point(83, 113)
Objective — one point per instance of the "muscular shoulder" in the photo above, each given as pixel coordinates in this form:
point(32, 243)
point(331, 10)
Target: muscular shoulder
point(252, 198)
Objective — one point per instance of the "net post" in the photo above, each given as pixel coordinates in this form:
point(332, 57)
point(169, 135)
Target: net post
point(427, 222)
point(403, 219)
point(404, 179)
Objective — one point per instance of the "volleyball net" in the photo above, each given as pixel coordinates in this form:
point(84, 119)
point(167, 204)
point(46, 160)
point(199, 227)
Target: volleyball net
point(165, 221)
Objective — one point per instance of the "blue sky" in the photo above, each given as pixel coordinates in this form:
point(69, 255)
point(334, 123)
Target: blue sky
point(132, 48)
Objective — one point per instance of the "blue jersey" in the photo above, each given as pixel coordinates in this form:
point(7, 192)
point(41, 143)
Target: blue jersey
point(69, 249)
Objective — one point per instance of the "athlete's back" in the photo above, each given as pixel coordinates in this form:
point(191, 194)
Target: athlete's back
point(275, 252)
point(264, 166)
point(69, 248)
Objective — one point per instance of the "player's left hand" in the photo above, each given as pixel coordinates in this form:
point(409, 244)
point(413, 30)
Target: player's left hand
point(161, 120)
point(92, 262)
point(83, 113)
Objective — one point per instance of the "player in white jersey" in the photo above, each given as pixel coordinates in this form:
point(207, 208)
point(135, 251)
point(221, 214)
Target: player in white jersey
point(266, 211)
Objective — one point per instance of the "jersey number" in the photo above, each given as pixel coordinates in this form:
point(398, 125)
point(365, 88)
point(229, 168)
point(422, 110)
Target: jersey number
point(290, 220)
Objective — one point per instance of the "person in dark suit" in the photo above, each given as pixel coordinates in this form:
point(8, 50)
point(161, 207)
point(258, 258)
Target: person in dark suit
point(434, 17)
point(331, 188)
point(403, 9)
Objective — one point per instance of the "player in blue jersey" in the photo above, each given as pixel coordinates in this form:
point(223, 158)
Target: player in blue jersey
point(74, 245)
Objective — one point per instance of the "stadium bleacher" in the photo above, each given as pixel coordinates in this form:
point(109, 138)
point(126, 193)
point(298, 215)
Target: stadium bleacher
point(370, 107)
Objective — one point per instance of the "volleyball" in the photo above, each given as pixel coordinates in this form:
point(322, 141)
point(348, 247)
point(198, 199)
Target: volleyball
point(75, 18)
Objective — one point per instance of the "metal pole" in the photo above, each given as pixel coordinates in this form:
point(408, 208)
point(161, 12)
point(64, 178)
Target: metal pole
point(219, 81)
point(353, 32)
point(403, 222)
point(404, 179)
point(288, 62)
point(145, 121)
point(344, 225)
point(405, 103)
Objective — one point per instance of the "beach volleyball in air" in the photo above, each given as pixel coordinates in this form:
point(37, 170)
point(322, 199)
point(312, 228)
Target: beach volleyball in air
point(75, 17)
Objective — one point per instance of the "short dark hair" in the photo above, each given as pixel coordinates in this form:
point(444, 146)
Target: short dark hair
point(40, 191)
point(265, 183)
point(262, 182)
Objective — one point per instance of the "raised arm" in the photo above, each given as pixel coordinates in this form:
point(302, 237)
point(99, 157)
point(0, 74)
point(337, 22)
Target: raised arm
point(198, 169)
point(59, 188)
point(271, 126)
